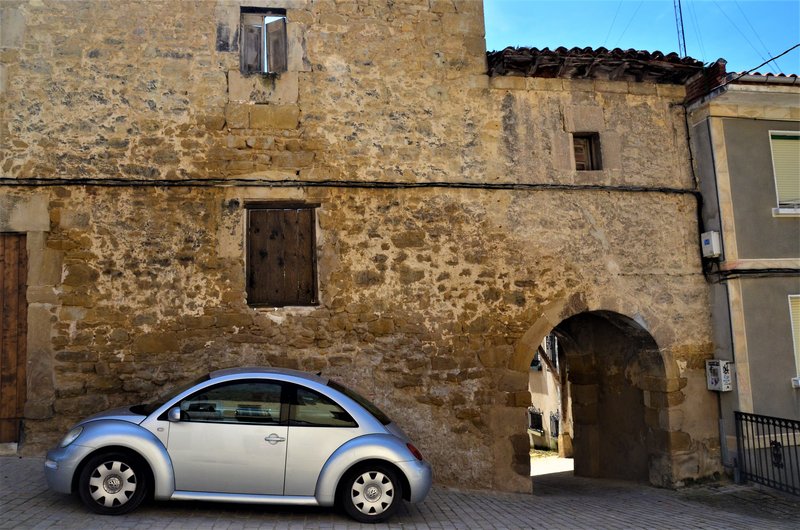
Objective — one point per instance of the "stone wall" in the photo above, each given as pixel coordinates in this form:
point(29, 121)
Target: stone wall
point(138, 143)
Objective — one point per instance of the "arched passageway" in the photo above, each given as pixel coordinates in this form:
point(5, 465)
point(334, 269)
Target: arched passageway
point(613, 374)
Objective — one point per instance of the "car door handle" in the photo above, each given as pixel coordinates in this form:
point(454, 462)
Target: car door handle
point(273, 438)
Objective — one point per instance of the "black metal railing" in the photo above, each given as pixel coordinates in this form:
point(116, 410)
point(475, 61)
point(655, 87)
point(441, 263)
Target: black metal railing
point(768, 451)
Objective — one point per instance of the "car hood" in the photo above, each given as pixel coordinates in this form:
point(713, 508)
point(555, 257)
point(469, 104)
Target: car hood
point(121, 413)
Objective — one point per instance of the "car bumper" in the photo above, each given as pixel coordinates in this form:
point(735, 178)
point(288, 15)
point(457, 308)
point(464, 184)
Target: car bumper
point(420, 478)
point(61, 464)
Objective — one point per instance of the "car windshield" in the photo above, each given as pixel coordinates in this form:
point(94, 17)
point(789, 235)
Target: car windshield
point(151, 406)
point(361, 400)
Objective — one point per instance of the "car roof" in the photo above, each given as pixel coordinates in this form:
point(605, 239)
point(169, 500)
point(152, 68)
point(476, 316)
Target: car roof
point(266, 370)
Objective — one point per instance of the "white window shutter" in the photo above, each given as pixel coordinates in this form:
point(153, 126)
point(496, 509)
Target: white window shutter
point(794, 311)
point(786, 163)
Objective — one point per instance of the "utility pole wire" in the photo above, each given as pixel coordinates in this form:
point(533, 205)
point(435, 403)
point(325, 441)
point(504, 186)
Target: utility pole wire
point(770, 59)
point(629, 23)
point(740, 31)
point(612, 22)
point(756, 68)
point(757, 36)
point(693, 13)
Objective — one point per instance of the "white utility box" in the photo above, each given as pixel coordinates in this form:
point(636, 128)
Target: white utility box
point(719, 375)
point(710, 244)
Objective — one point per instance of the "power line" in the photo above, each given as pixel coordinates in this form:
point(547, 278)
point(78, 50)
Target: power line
point(757, 36)
point(756, 68)
point(771, 59)
point(740, 31)
point(693, 13)
point(629, 23)
point(368, 184)
point(619, 6)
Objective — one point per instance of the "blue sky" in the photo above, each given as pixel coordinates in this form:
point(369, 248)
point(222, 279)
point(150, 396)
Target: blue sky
point(743, 32)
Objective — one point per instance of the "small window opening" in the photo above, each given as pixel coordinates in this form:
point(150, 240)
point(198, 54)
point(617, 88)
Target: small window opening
point(536, 362)
point(263, 48)
point(555, 423)
point(535, 422)
point(587, 151)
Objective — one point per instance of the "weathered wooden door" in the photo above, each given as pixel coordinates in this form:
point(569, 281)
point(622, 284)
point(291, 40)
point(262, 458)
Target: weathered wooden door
point(13, 333)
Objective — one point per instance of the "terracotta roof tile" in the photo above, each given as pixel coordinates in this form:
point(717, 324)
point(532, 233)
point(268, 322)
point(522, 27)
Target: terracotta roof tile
point(589, 63)
point(770, 74)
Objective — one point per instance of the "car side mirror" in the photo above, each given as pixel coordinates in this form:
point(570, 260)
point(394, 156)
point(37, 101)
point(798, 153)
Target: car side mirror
point(174, 414)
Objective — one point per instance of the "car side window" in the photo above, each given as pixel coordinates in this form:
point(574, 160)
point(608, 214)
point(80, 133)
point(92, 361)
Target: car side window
point(256, 402)
point(312, 409)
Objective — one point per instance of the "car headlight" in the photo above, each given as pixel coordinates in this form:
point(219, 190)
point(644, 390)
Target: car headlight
point(70, 437)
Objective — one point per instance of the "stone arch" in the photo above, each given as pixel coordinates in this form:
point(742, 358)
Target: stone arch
point(623, 387)
point(614, 365)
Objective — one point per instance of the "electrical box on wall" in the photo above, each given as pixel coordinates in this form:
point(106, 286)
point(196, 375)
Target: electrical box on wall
point(719, 375)
point(710, 243)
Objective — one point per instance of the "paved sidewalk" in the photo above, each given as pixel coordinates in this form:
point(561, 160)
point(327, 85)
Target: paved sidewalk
point(548, 465)
point(560, 501)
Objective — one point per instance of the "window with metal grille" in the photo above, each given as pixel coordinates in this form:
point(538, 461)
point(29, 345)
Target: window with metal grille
point(555, 422)
point(281, 255)
point(262, 44)
point(535, 422)
point(786, 168)
point(587, 151)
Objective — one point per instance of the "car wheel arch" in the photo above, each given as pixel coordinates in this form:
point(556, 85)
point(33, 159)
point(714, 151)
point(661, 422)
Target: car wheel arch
point(406, 486)
point(382, 448)
point(367, 491)
point(112, 435)
point(109, 449)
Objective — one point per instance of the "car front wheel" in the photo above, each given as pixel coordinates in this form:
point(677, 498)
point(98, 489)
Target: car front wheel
point(113, 483)
point(371, 493)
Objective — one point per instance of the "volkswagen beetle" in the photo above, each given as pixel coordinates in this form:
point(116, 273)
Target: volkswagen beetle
point(249, 435)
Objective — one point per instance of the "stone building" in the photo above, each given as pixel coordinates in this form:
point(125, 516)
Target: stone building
point(427, 223)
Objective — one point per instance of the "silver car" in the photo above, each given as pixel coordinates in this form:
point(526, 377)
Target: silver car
point(249, 435)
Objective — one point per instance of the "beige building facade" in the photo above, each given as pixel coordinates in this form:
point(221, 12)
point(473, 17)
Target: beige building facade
point(449, 229)
point(746, 137)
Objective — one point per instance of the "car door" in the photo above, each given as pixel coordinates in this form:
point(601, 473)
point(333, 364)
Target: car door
point(318, 426)
point(230, 439)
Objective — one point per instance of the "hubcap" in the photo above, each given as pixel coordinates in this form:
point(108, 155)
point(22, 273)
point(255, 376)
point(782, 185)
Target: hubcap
point(112, 484)
point(372, 493)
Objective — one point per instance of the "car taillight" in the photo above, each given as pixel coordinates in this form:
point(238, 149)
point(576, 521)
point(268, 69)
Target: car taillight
point(414, 451)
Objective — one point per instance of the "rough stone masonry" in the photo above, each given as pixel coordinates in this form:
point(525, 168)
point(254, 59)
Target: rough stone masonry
point(452, 231)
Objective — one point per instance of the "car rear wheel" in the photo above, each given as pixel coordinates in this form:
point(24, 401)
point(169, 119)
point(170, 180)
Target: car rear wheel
point(371, 493)
point(113, 483)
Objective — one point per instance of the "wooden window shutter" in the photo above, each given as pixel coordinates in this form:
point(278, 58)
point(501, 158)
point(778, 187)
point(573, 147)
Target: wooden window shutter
point(250, 50)
point(281, 257)
point(583, 160)
point(786, 163)
point(276, 46)
point(586, 147)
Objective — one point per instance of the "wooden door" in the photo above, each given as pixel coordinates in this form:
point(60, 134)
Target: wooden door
point(13, 333)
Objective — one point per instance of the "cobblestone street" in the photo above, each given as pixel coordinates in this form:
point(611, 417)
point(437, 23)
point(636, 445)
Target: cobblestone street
point(560, 501)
